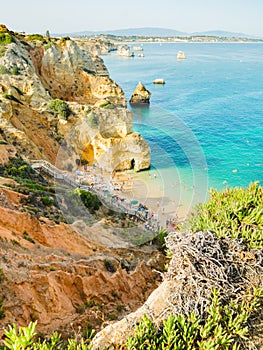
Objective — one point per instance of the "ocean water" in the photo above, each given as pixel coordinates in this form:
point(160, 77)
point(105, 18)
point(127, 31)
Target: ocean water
point(205, 125)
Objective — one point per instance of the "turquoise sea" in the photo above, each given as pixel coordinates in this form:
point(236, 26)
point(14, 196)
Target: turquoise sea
point(205, 125)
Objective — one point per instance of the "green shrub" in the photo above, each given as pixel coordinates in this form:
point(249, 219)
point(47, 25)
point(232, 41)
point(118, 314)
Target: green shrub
point(48, 45)
point(6, 38)
point(224, 326)
point(19, 168)
point(19, 35)
point(112, 317)
point(91, 201)
point(109, 266)
point(35, 37)
point(28, 238)
point(4, 70)
point(93, 121)
point(2, 51)
point(14, 71)
point(59, 107)
point(48, 201)
point(159, 240)
point(107, 105)
point(233, 212)
point(24, 338)
point(64, 39)
point(21, 338)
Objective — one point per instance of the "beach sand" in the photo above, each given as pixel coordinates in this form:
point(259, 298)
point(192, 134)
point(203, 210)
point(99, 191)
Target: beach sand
point(165, 193)
point(168, 193)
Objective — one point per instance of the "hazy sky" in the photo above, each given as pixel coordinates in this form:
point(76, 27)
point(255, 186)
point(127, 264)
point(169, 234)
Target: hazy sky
point(61, 16)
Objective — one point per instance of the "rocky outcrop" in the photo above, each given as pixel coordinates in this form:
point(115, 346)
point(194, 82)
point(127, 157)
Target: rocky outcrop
point(124, 50)
point(69, 73)
point(140, 94)
point(159, 81)
point(116, 334)
point(6, 152)
point(100, 46)
point(104, 137)
point(35, 73)
point(180, 55)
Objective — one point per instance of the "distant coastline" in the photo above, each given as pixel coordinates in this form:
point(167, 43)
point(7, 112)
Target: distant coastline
point(194, 39)
point(160, 40)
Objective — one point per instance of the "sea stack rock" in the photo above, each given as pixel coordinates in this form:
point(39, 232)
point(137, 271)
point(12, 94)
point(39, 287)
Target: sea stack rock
point(180, 55)
point(124, 50)
point(140, 95)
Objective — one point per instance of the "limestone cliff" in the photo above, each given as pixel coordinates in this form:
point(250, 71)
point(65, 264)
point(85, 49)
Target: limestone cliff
point(34, 71)
point(104, 136)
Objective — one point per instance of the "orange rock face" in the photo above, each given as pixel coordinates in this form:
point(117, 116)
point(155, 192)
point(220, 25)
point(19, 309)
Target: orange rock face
point(57, 276)
point(70, 74)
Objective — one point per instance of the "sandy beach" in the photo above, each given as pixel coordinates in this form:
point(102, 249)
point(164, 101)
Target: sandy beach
point(162, 192)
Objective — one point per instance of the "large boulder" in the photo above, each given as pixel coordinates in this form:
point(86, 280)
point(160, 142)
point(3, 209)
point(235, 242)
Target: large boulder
point(140, 94)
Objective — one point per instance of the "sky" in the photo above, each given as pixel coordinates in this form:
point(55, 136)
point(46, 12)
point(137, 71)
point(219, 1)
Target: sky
point(64, 16)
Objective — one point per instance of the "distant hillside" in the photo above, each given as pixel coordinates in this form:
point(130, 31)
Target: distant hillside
point(163, 32)
point(160, 32)
point(155, 32)
point(222, 33)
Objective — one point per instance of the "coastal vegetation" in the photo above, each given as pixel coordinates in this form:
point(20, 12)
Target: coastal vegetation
point(35, 37)
point(26, 338)
point(2, 51)
point(42, 199)
point(4, 70)
point(6, 38)
point(59, 107)
point(223, 327)
point(89, 200)
point(233, 212)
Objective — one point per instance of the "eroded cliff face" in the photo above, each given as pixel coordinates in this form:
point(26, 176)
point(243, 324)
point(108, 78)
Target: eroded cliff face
point(32, 74)
point(104, 136)
point(56, 275)
point(71, 74)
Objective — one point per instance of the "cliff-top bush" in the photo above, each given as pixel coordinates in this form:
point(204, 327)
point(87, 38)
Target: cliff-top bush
point(35, 37)
point(233, 212)
point(224, 327)
point(6, 38)
point(64, 39)
point(59, 107)
point(19, 338)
